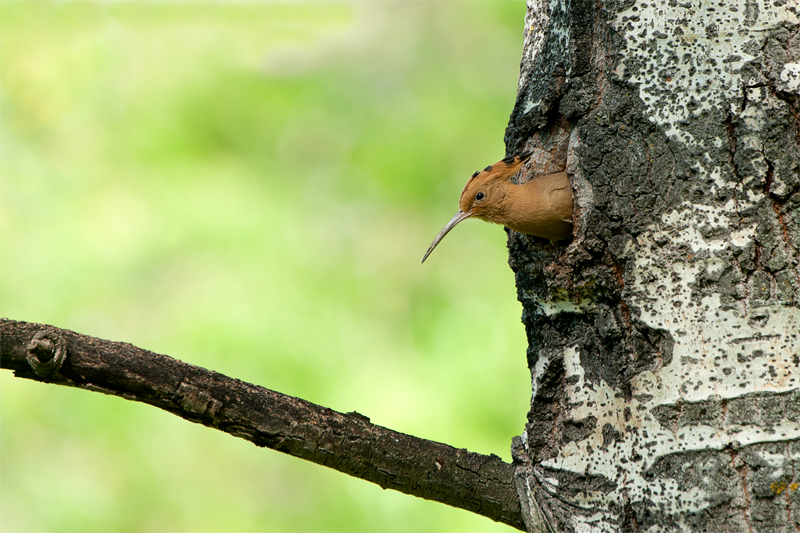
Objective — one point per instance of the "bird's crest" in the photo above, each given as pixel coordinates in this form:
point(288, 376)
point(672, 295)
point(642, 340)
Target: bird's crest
point(505, 168)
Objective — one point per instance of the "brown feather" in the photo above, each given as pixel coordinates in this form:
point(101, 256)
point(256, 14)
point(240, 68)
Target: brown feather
point(541, 207)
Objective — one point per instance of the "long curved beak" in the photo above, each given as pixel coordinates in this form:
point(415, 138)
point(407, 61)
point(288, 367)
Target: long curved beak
point(461, 215)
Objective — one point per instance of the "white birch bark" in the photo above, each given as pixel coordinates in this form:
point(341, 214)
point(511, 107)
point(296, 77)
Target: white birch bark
point(665, 339)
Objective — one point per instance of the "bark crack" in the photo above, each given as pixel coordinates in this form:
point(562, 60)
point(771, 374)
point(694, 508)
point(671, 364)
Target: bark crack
point(789, 517)
point(742, 469)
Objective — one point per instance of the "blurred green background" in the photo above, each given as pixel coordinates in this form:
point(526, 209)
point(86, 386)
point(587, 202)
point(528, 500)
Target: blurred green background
point(250, 187)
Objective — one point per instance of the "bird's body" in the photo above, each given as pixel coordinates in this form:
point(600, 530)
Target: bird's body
point(541, 207)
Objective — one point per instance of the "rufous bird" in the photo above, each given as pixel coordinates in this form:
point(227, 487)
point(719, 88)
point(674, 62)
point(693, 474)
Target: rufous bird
point(541, 207)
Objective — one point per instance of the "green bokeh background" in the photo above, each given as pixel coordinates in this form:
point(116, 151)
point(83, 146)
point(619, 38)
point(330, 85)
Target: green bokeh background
point(250, 187)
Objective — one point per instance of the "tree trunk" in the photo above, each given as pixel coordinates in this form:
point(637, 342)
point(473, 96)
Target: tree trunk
point(664, 340)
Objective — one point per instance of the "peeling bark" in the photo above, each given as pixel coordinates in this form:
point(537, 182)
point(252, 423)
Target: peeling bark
point(664, 340)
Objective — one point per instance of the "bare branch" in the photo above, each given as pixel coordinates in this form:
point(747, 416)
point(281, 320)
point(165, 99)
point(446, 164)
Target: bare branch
point(348, 443)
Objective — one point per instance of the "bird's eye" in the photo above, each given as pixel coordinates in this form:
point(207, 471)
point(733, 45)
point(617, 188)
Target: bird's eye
point(480, 196)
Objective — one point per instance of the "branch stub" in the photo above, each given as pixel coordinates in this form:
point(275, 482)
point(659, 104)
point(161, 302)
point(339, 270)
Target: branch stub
point(47, 351)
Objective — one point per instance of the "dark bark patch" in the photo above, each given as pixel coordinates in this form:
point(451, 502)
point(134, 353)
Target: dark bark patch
point(578, 430)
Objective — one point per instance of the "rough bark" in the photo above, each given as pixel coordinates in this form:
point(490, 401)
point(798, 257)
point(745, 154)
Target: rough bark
point(664, 339)
point(348, 442)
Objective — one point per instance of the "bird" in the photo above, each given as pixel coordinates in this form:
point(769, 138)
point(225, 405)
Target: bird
point(541, 207)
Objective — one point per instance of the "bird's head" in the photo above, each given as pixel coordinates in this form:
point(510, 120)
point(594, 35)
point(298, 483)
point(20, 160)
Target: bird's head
point(483, 195)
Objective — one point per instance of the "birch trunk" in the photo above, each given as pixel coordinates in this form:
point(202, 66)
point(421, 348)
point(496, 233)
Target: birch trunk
point(664, 341)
